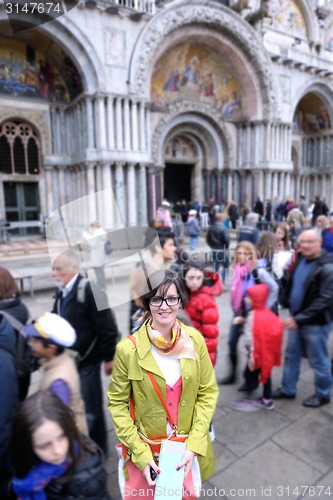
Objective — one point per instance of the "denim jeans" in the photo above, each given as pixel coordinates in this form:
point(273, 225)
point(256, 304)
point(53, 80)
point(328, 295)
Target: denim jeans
point(221, 258)
point(92, 394)
point(314, 339)
point(194, 241)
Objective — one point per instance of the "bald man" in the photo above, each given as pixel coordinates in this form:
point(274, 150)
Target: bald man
point(97, 335)
point(310, 296)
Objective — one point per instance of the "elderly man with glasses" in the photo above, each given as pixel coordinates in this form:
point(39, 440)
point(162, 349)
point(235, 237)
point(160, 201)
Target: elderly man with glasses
point(309, 293)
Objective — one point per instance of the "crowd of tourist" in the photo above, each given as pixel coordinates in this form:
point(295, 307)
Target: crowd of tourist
point(53, 444)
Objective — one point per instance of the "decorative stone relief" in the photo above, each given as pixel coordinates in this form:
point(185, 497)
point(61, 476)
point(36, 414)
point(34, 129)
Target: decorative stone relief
point(285, 83)
point(214, 17)
point(115, 48)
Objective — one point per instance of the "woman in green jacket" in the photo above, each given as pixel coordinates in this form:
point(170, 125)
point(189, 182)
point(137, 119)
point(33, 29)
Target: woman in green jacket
point(177, 357)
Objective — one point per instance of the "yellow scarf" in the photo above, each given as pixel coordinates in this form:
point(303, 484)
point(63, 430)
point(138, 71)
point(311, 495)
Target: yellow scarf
point(180, 345)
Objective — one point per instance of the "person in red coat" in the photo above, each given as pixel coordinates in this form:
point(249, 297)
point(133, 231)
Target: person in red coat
point(263, 335)
point(203, 286)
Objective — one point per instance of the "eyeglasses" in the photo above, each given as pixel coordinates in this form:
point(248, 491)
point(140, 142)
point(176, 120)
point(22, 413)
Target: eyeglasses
point(170, 301)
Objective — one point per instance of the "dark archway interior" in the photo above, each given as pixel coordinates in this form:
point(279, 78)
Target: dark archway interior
point(177, 182)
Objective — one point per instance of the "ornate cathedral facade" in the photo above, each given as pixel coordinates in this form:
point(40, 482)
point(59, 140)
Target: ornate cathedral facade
point(180, 100)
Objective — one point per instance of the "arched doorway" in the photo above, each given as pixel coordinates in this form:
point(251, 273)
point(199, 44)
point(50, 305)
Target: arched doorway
point(181, 157)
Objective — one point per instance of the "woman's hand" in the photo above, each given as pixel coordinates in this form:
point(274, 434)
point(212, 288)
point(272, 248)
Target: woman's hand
point(146, 472)
point(187, 462)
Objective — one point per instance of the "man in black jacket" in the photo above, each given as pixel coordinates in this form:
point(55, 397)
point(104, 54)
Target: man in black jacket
point(97, 335)
point(218, 240)
point(309, 292)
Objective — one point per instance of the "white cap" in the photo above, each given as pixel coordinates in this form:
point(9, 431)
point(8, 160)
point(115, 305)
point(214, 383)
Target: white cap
point(165, 203)
point(52, 328)
point(192, 212)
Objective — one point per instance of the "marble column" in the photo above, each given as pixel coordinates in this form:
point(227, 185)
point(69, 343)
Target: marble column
point(131, 196)
point(256, 144)
point(101, 131)
point(254, 187)
point(134, 121)
point(119, 124)
point(229, 188)
point(242, 187)
point(91, 189)
point(142, 126)
point(120, 193)
point(206, 180)
point(281, 190)
point(90, 123)
point(240, 146)
point(158, 187)
point(49, 188)
point(268, 185)
point(218, 196)
point(260, 175)
point(127, 130)
point(110, 122)
point(143, 216)
point(275, 180)
point(108, 197)
point(62, 186)
point(151, 194)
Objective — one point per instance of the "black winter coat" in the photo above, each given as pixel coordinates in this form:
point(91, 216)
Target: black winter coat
point(89, 323)
point(317, 304)
point(217, 237)
point(9, 389)
point(89, 482)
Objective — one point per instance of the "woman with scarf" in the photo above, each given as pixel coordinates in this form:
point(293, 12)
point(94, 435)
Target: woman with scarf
point(50, 459)
point(248, 270)
point(244, 263)
point(165, 373)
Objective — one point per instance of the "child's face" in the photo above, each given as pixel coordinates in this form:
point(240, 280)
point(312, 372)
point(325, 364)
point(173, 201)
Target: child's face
point(38, 348)
point(50, 443)
point(279, 233)
point(194, 279)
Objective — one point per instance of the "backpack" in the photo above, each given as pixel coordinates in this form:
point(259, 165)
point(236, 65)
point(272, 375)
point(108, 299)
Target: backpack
point(26, 362)
point(108, 247)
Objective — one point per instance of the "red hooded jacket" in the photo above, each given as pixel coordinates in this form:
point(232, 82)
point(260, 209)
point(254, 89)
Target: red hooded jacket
point(267, 333)
point(203, 311)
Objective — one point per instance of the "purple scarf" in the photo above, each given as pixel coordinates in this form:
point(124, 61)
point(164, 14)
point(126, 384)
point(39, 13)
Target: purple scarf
point(240, 271)
point(32, 486)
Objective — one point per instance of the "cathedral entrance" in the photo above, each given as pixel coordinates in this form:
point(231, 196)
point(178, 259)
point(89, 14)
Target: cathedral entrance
point(177, 182)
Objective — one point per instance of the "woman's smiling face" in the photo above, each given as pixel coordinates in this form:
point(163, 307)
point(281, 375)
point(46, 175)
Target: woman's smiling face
point(164, 316)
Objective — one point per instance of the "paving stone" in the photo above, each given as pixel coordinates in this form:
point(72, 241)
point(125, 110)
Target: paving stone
point(260, 473)
point(310, 439)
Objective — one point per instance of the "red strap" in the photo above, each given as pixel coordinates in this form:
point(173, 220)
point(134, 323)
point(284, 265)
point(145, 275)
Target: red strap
point(157, 389)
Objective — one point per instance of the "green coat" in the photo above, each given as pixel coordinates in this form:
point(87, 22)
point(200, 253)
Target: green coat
point(196, 406)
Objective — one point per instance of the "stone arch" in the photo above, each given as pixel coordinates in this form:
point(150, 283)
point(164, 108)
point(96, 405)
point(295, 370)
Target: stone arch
point(78, 46)
point(167, 26)
point(317, 87)
point(311, 21)
point(194, 118)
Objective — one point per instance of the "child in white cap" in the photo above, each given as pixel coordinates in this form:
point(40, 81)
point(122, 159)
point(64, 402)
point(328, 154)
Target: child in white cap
point(49, 336)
